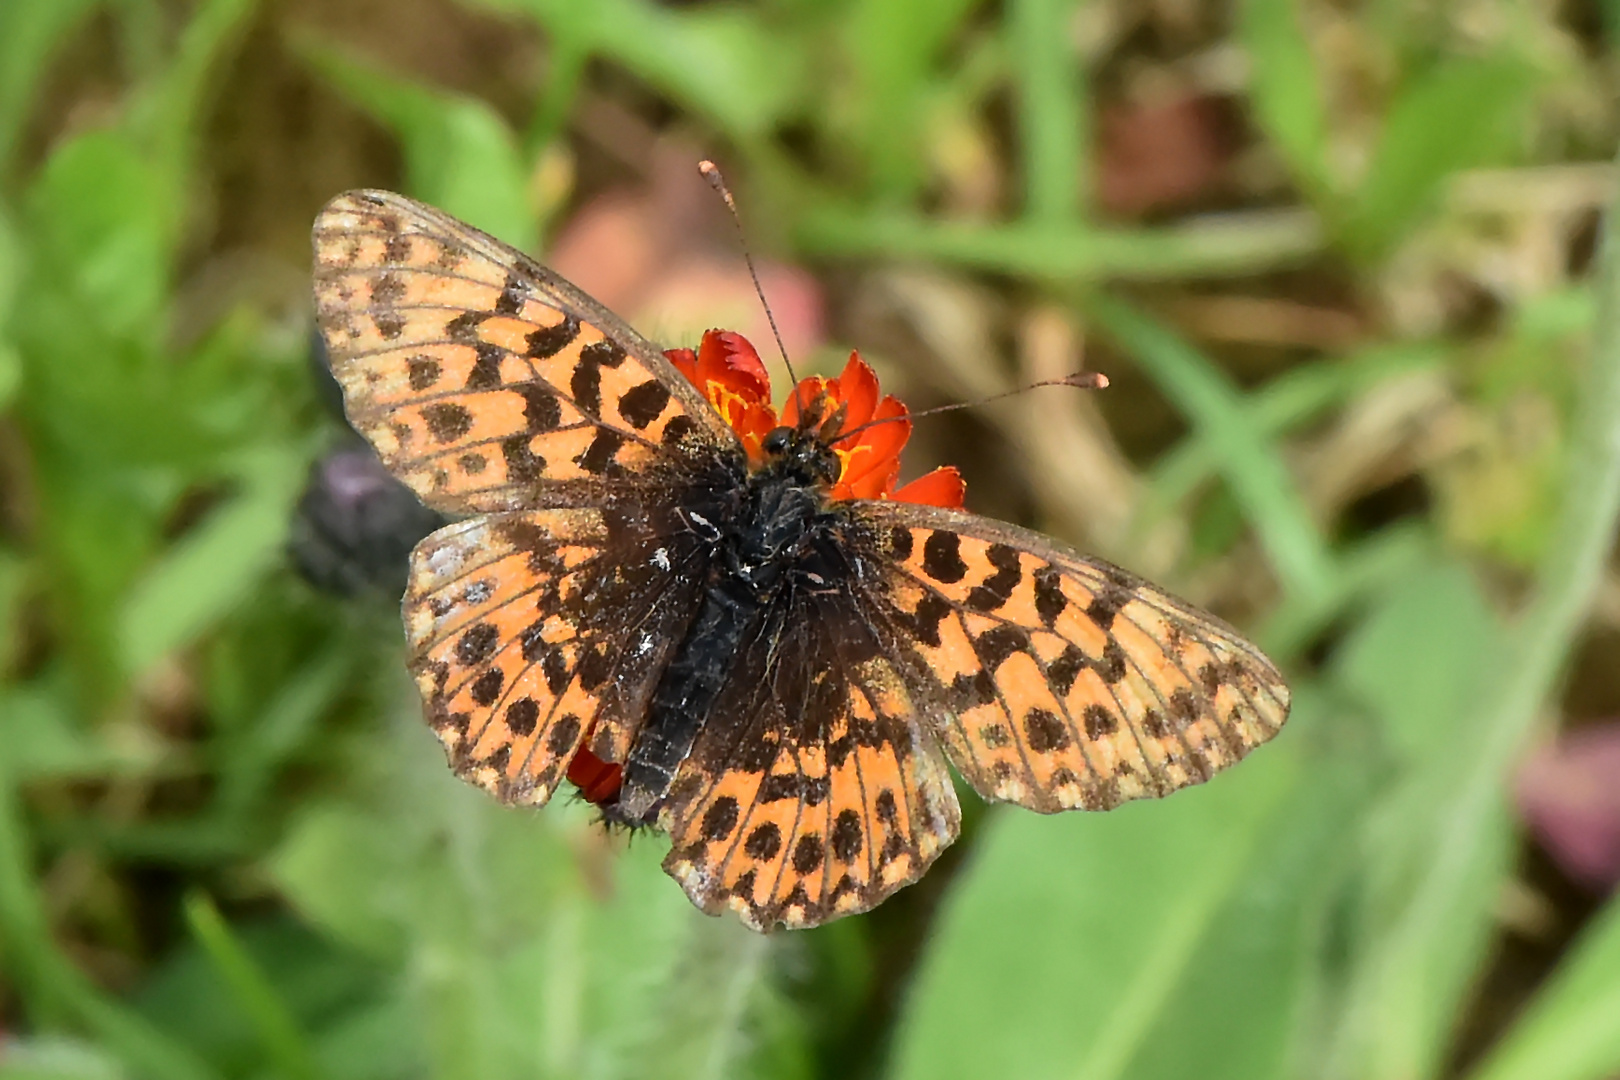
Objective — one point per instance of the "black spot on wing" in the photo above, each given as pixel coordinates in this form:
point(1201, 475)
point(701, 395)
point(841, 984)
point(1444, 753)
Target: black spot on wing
point(942, 557)
point(548, 341)
point(523, 465)
point(1049, 598)
point(1045, 731)
point(513, 293)
point(644, 403)
point(486, 370)
point(846, 836)
point(522, 715)
point(764, 842)
point(477, 644)
point(563, 734)
point(719, 819)
point(995, 590)
point(487, 687)
point(423, 371)
point(598, 456)
point(463, 329)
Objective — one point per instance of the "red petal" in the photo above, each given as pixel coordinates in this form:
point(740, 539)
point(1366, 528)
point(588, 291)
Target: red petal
point(728, 358)
point(685, 361)
point(857, 390)
point(943, 487)
point(879, 446)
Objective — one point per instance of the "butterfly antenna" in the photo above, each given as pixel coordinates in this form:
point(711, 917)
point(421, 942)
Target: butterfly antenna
point(711, 173)
point(1082, 380)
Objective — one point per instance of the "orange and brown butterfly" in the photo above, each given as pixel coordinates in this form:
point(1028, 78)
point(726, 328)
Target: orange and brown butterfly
point(731, 624)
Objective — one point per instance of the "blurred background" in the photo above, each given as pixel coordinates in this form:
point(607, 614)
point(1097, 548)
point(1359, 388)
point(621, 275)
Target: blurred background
point(1339, 259)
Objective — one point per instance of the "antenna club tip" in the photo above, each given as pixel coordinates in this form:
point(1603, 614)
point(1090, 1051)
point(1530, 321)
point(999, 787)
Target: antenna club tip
point(1087, 380)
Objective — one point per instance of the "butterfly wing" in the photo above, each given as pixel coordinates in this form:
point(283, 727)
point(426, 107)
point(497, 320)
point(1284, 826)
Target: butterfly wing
point(536, 633)
point(814, 791)
point(1056, 680)
point(485, 381)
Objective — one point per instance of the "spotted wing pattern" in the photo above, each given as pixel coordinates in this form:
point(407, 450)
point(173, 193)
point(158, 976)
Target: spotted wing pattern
point(1060, 681)
point(485, 381)
point(533, 634)
point(828, 796)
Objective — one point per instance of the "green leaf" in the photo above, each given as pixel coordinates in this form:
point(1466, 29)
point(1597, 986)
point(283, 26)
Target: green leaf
point(1284, 91)
point(1068, 938)
point(894, 49)
point(332, 866)
point(1462, 114)
point(719, 60)
point(213, 568)
point(1416, 659)
point(31, 31)
point(103, 218)
point(1571, 1030)
point(459, 154)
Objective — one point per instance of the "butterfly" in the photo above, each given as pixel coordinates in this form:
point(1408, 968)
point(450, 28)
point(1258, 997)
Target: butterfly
point(730, 624)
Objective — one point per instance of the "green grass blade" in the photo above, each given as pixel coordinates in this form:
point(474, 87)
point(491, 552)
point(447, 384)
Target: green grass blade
point(57, 994)
point(1286, 402)
point(892, 47)
point(204, 576)
point(30, 33)
point(283, 1043)
point(1228, 244)
point(169, 119)
point(1052, 129)
point(720, 60)
point(1284, 91)
point(1572, 1029)
point(1251, 465)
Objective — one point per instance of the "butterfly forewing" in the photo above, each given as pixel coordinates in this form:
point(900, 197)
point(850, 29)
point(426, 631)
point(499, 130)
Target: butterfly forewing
point(1062, 681)
point(485, 381)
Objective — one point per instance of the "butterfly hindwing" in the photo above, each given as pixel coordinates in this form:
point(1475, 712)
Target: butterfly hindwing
point(1064, 682)
point(534, 634)
point(485, 381)
point(826, 796)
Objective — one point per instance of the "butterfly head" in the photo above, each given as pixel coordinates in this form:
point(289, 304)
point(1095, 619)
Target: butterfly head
point(801, 453)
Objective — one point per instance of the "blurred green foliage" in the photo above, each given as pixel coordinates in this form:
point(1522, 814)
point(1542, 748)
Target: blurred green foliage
point(229, 849)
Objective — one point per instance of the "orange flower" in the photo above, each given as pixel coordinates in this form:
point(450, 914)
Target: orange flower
point(729, 372)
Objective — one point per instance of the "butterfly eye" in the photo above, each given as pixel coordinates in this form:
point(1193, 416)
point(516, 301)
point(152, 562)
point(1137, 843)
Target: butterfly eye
point(777, 441)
